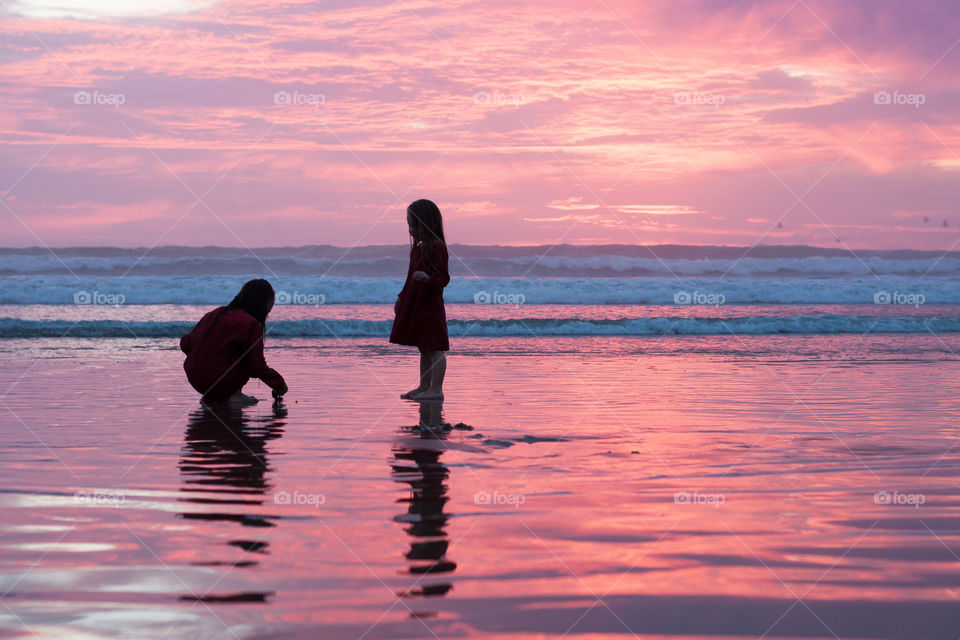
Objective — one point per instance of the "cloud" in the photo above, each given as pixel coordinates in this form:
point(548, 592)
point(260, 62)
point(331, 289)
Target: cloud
point(780, 80)
point(575, 203)
point(516, 120)
point(98, 9)
point(657, 209)
point(572, 203)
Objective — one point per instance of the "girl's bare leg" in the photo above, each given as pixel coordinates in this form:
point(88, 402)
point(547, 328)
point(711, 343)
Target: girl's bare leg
point(424, 377)
point(435, 373)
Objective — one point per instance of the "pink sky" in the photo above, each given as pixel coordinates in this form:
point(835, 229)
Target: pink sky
point(694, 122)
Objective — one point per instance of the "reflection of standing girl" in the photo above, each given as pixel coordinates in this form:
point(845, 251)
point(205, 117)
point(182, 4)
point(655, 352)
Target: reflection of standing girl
point(417, 463)
point(420, 317)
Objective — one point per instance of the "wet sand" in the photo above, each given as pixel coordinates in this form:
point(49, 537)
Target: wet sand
point(657, 487)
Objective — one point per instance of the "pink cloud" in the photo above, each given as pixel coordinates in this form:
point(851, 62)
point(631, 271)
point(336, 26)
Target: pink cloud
point(627, 114)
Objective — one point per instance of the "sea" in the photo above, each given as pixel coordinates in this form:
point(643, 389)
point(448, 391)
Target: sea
point(566, 290)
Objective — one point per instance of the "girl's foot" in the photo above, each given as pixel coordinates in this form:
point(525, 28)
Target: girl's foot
point(409, 395)
point(428, 396)
point(242, 400)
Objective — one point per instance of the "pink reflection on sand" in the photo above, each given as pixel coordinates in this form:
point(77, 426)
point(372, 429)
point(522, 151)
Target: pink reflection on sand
point(681, 474)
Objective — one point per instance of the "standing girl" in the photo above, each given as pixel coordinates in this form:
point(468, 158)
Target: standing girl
point(420, 317)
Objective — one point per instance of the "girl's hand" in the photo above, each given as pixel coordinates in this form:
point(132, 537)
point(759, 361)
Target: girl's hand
point(421, 276)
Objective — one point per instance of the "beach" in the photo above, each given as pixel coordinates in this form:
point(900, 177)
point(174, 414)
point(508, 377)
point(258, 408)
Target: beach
point(607, 486)
point(697, 265)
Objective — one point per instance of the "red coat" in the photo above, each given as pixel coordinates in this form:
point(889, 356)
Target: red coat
point(223, 355)
point(420, 317)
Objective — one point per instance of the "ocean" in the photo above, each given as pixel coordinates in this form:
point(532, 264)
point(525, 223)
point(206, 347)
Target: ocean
point(495, 291)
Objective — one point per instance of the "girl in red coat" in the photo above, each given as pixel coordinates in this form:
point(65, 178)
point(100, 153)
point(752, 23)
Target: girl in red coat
point(420, 318)
point(225, 349)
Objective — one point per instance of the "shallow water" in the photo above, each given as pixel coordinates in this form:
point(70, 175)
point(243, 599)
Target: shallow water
point(741, 486)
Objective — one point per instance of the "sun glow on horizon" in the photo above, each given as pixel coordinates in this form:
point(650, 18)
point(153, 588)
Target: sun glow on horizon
point(97, 9)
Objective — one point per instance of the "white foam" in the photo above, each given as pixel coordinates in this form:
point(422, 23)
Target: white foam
point(219, 289)
point(519, 326)
point(562, 261)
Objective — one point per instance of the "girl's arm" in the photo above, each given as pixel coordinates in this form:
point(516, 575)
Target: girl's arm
point(438, 276)
point(257, 364)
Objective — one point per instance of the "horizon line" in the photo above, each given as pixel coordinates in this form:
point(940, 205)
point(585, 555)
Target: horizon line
point(845, 249)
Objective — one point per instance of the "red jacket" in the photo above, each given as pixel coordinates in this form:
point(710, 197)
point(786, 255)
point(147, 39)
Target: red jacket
point(420, 319)
point(224, 351)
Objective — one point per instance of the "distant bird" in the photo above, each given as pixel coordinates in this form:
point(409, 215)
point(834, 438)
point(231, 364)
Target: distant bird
point(926, 218)
point(945, 224)
point(779, 225)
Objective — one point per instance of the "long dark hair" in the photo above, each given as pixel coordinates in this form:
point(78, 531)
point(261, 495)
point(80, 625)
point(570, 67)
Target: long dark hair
point(426, 226)
point(256, 298)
